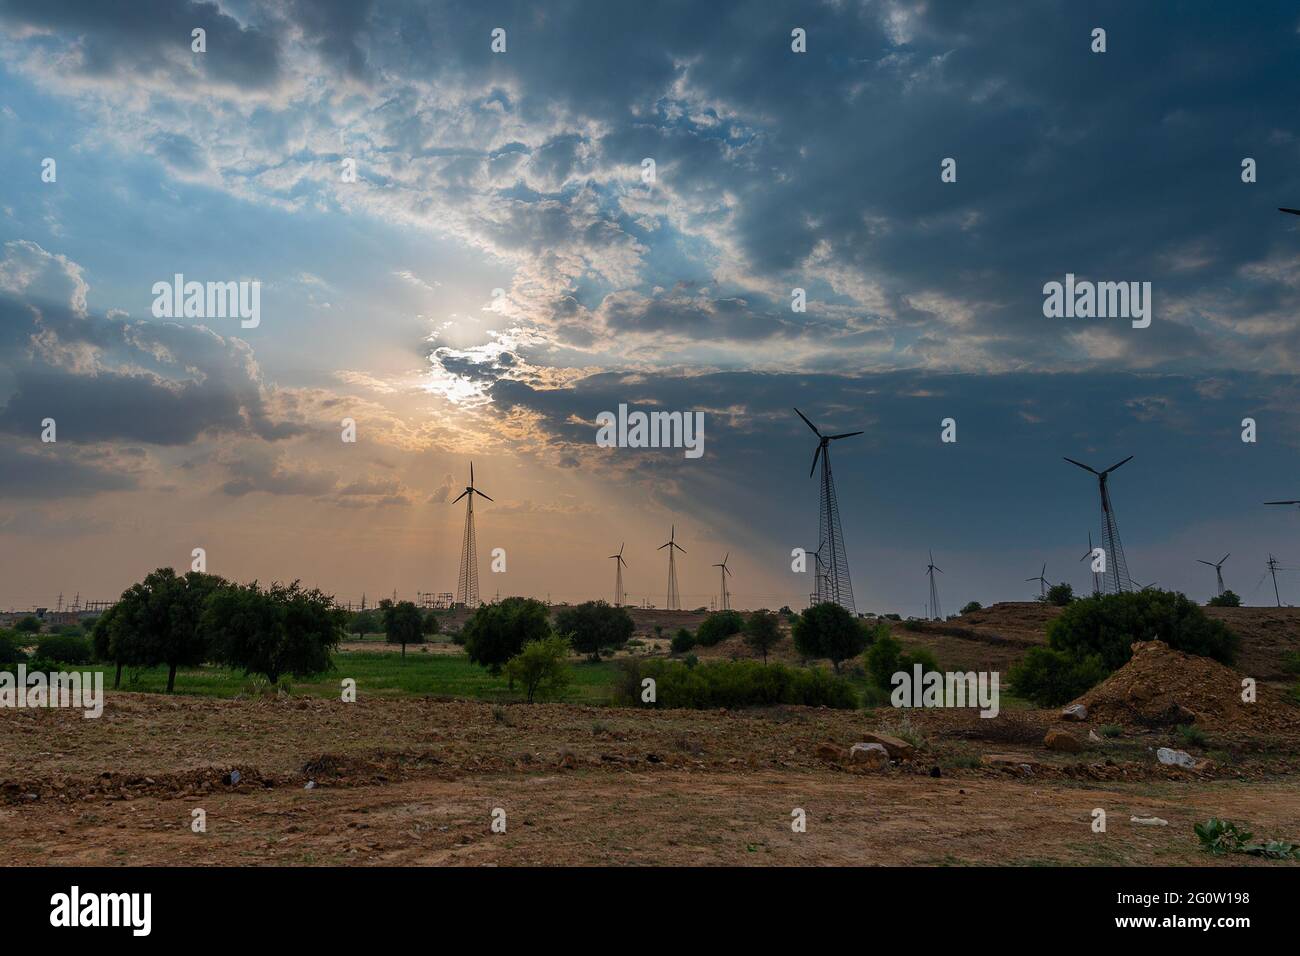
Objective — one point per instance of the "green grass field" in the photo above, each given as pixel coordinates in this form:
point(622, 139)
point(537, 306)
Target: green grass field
point(377, 673)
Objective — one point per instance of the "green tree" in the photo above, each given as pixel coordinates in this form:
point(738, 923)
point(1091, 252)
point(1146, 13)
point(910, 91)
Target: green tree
point(30, 624)
point(101, 635)
point(157, 621)
point(284, 629)
point(594, 626)
point(972, 606)
point(829, 630)
point(541, 667)
point(403, 623)
point(762, 631)
point(430, 625)
point(10, 652)
point(364, 622)
point(682, 641)
point(1050, 678)
point(497, 632)
point(1226, 599)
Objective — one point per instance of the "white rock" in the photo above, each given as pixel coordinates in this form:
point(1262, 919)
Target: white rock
point(1075, 712)
point(1149, 821)
point(1179, 758)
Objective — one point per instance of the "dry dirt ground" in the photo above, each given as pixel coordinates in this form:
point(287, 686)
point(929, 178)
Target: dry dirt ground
point(416, 781)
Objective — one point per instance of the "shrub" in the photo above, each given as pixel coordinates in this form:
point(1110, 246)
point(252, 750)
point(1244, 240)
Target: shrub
point(762, 632)
point(1291, 663)
point(1193, 736)
point(497, 632)
point(64, 649)
point(828, 630)
point(1050, 677)
point(10, 651)
point(1060, 595)
point(732, 684)
point(430, 625)
point(886, 658)
point(364, 622)
point(1106, 625)
point(1226, 599)
point(594, 626)
point(718, 626)
point(28, 625)
point(972, 606)
point(541, 667)
point(683, 641)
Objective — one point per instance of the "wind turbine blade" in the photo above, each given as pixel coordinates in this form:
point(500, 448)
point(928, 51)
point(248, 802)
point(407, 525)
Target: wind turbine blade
point(481, 495)
point(664, 545)
point(459, 496)
point(1282, 502)
point(814, 463)
point(1209, 563)
point(471, 473)
point(1294, 212)
point(1224, 558)
point(808, 423)
point(939, 569)
point(1117, 464)
point(1031, 579)
point(843, 435)
point(1081, 465)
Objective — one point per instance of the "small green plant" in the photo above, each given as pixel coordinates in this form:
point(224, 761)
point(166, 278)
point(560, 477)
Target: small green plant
point(542, 667)
point(1221, 837)
point(1192, 735)
point(1291, 663)
point(972, 606)
point(1111, 730)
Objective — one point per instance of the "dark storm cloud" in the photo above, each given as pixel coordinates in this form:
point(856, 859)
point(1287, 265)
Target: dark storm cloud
point(153, 382)
point(152, 37)
point(30, 469)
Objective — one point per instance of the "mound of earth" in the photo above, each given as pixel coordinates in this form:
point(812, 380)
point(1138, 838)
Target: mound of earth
point(1160, 686)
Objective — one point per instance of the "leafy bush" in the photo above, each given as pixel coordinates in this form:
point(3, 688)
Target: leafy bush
point(1291, 663)
point(594, 626)
point(157, 621)
point(1192, 735)
point(732, 684)
point(1060, 595)
point(828, 630)
point(497, 632)
point(28, 625)
point(718, 626)
point(886, 658)
point(10, 651)
point(762, 631)
point(1106, 625)
point(364, 622)
point(972, 606)
point(64, 649)
point(683, 641)
point(1226, 599)
point(1049, 677)
point(541, 667)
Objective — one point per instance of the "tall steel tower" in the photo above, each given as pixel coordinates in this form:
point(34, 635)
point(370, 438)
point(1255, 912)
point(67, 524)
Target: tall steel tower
point(467, 584)
point(674, 599)
point(1117, 579)
point(836, 585)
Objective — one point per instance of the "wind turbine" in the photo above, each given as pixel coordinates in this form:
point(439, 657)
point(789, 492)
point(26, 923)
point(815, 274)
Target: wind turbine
point(930, 568)
point(1096, 575)
point(1282, 502)
point(1218, 568)
point(726, 598)
point(816, 596)
point(1117, 576)
point(467, 584)
point(838, 587)
point(674, 599)
point(619, 565)
point(1042, 582)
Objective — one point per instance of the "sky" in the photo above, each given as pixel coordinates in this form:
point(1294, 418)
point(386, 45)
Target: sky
point(500, 272)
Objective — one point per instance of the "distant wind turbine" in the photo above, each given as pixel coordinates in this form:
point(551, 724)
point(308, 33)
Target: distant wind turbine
point(1218, 568)
point(619, 565)
point(726, 598)
point(1117, 576)
point(467, 585)
point(674, 599)
point(930, 568)
point(1042, 582)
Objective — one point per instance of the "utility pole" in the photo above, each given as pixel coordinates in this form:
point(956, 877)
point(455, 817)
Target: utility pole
point(1272, 568)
